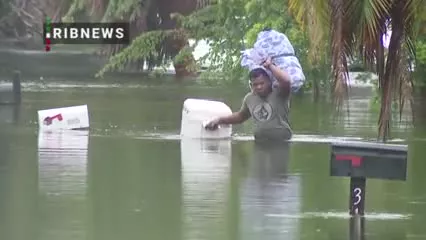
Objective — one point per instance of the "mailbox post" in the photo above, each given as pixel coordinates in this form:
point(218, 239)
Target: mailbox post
point(362, 160)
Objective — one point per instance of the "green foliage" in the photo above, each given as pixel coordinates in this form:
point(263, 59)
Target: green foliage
point(420, 62)
point(183, 55)
point(228, 26)
point(115, 9)
point(143, 47)
point(185, 58)
point(148, 48)
point(223, 26)
point(232, 26)
point(421, 52)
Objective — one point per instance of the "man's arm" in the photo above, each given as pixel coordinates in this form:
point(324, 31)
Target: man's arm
point(282, 77)
point(234, 118)
point(237, 117)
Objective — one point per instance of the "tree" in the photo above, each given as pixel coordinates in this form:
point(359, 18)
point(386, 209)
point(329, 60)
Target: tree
point(154, 39)
point(355, 28)
point(22, 19)
point(231, 26)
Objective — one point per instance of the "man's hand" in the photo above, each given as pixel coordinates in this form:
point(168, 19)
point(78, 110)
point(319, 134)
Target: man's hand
point(212, 125)
point(283, 79)
point(234, 118)
point(267, 63)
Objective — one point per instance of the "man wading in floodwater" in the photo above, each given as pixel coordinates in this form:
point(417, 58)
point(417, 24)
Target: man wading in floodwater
point(268, 105)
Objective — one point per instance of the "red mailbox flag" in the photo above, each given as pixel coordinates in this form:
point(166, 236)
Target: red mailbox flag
point(355, 160)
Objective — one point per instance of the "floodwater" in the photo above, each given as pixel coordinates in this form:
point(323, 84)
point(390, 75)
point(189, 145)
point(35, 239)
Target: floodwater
point(131, 177)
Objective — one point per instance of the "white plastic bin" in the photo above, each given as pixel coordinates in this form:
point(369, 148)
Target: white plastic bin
point(75, 117)
point(196, 112)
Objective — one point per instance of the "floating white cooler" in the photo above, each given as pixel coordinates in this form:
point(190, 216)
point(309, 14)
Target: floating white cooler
point(197, 112)
point(75, 117)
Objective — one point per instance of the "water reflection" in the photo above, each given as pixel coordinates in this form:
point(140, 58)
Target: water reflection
point(271, 197)
point(62, 159)
point(357, 116)
point(363, 111)
point(62, 162)
point(205, 170)
point(270, 161)
point(134, 190)
point(9, 113)
point(357, 228)
point(18, 188)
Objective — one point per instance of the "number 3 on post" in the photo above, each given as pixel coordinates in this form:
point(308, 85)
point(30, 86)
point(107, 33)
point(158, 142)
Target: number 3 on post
point(358, 198)
point(357, 194)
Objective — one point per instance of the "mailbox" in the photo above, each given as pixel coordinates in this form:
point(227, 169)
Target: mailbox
point(369, 160)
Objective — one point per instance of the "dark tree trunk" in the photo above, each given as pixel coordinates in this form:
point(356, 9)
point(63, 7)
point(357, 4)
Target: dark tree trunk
point(175, 43)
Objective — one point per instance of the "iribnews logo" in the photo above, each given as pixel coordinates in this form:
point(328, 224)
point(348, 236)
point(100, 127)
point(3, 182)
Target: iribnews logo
point(85, 33)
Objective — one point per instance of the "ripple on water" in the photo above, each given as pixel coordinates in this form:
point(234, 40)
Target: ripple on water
point(60, 86)
point(345, 215)
point(302, 138)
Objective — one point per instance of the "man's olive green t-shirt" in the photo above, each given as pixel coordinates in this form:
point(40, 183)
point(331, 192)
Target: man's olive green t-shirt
point(270, 115)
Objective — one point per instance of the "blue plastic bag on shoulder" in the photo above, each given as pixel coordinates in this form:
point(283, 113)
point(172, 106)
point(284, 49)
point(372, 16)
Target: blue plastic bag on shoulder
point(271, 43)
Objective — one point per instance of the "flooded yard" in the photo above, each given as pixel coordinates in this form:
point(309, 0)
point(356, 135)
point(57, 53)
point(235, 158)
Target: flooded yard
point(131, 177)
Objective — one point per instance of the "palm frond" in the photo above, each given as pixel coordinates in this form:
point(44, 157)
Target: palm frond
point(340, 49)
point(312, 16)
point(356, 28)
point(397, 72)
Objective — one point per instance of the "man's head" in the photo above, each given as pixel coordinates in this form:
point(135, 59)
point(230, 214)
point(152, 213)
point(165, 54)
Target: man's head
point(260, 82)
